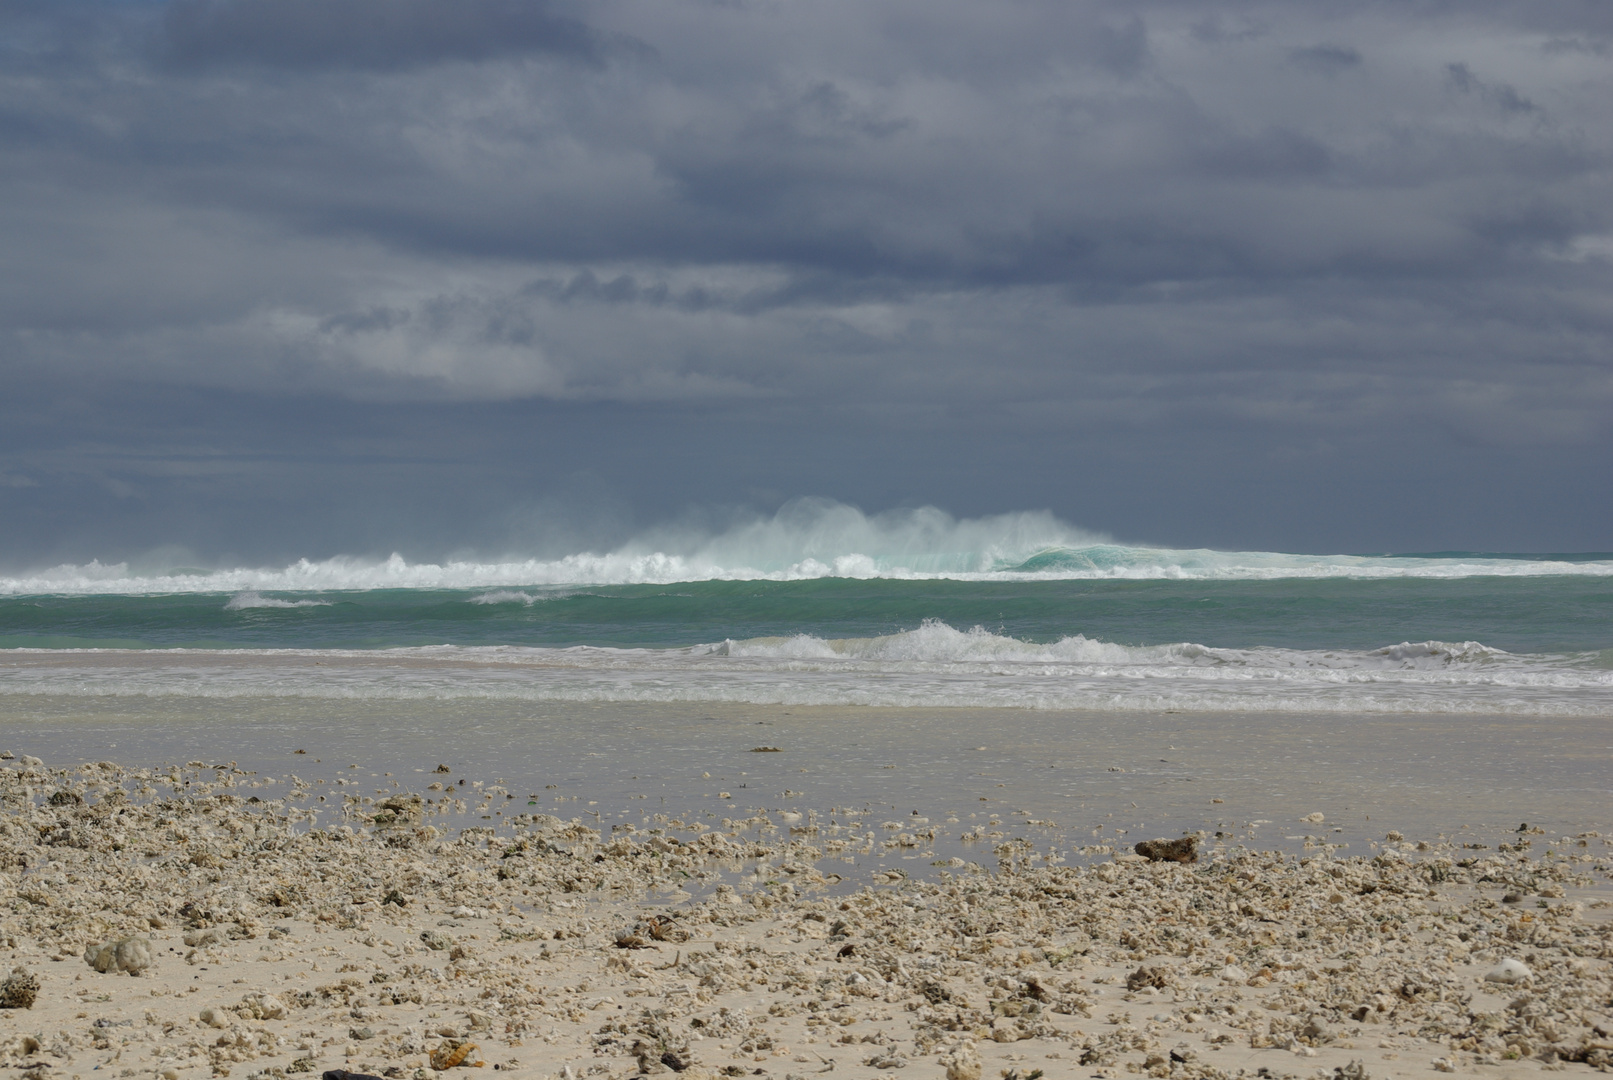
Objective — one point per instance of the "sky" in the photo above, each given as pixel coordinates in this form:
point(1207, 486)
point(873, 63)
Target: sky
point(289, 278)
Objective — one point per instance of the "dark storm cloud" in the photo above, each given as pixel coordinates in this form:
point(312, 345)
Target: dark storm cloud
point(1303, 222)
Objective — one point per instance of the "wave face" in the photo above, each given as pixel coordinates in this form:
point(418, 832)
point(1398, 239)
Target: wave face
point(932, 666)
point(807, 540)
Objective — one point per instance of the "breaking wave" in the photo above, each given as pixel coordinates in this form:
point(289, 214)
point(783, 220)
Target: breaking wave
point(937, 643)
point(932, 666)
point(805, 540)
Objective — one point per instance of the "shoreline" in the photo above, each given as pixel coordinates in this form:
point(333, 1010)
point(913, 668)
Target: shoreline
point(1093, 778)
point(373, 942)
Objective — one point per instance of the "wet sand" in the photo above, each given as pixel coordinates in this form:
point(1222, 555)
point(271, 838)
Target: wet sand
point(1097, 778)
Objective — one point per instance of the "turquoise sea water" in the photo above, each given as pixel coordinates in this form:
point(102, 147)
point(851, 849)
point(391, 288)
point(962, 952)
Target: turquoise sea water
point(1549, 614)
point(839, 609)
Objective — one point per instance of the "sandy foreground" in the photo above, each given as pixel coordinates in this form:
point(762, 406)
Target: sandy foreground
point(188, 922)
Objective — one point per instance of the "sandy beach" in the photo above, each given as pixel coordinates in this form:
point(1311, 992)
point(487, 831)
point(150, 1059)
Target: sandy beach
point(187, 921)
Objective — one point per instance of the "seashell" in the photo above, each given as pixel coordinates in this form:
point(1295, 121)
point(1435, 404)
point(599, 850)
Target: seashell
point(452, 1052)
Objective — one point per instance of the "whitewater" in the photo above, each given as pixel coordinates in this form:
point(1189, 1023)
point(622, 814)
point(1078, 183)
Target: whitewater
point(1088, 563)
point(933, 666)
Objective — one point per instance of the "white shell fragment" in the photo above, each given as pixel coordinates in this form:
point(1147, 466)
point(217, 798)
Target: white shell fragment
point(1510, 972)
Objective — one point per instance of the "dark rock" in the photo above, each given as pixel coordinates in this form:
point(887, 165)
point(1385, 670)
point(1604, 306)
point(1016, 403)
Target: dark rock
point(1185, 850)
point(343, 1074)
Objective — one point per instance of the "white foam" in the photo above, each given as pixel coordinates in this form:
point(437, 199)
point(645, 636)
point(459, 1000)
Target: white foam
point(807, 539)
point(249, 599)
point(933, 666)
point(505, 596)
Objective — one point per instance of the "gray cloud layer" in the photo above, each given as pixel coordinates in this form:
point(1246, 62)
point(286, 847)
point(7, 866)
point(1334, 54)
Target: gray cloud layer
point(1295, 221)
point(366, 35)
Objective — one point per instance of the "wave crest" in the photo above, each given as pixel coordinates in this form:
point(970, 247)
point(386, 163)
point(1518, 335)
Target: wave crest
point(805, 540)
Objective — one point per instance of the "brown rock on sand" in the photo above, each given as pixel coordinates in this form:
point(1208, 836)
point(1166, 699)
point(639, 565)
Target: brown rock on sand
point(19, 989)
point(1185, 850)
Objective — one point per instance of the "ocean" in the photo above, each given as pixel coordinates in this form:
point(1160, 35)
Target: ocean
point(959, 616)
point(983, 671)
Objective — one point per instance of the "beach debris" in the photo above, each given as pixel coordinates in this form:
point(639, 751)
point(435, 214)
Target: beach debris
point(435, 940)
point(130, 954)
point(214, 1018)
point(19, 1046)
point(664, 928)
point(452, 1052)
point(399, 810)
point(632, 938)
point(19, 990)
point(1157, 976)
point(1183, 850)
point(1315, 818)
point(1509, 972)
point(963, 1063)
point(644, 931)
point(262, 1007)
